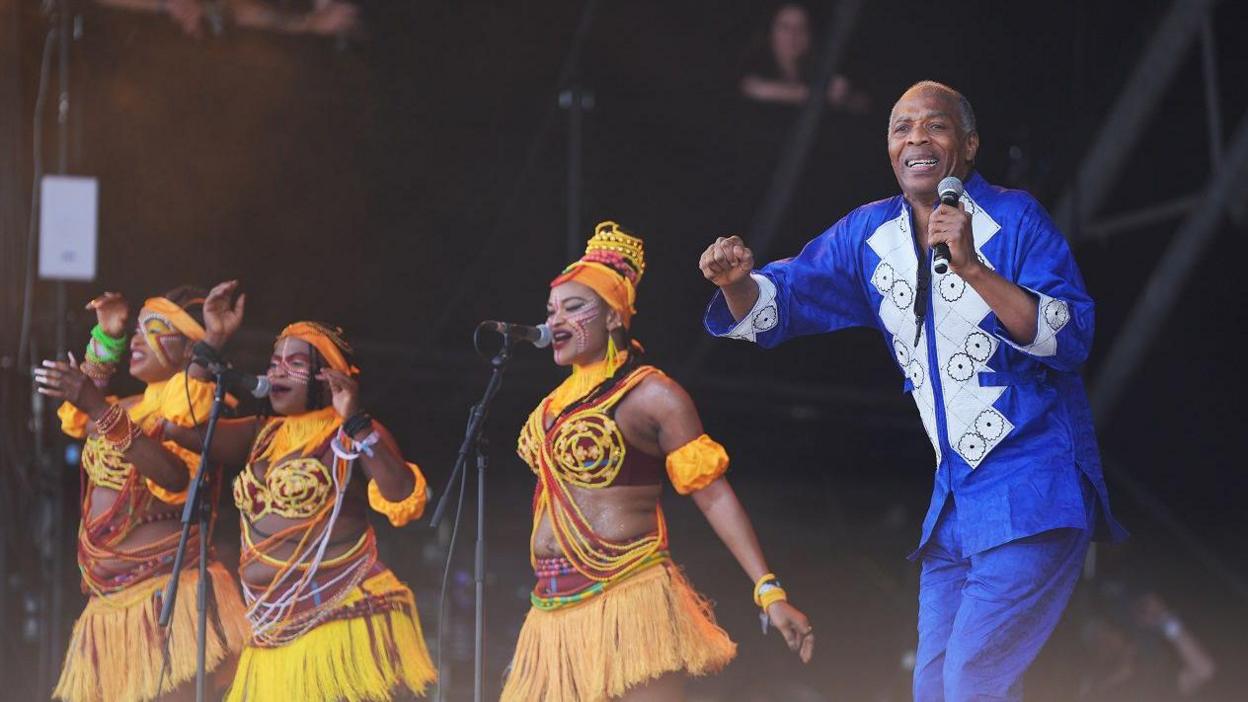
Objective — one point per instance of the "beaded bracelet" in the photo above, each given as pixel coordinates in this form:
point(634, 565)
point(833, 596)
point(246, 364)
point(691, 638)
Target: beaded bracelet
point(109, 419)
point(116, 429)
point(121, 443)
point(97, 371)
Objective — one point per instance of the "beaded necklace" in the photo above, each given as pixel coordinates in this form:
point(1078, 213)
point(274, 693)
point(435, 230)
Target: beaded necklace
point(296, 599)
point(590, 458)
point(100, 537)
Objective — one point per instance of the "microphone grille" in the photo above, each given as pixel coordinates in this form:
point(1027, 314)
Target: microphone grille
point(950, 185)
point(262, 387)
point(543, 336)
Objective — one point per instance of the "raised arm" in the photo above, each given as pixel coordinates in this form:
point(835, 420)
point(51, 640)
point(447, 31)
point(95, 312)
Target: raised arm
point(818, 291)
point(107, 346)
point(696, 464)
point(727, 263)
point(223, 315)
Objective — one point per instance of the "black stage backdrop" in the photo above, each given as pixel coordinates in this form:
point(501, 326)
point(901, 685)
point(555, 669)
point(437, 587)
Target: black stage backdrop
point(411, 184)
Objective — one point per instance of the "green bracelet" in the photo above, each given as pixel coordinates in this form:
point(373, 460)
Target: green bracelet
point(103, 348)
point(108, 358)
point(108, 343)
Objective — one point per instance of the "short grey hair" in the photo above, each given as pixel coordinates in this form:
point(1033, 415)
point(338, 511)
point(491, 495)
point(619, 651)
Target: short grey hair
point(966, 114)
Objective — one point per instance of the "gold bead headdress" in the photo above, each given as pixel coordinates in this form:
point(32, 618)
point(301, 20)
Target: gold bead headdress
point(612, 266)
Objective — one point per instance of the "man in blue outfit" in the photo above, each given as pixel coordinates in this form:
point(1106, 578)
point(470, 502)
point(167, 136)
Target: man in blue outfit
point(990, 351)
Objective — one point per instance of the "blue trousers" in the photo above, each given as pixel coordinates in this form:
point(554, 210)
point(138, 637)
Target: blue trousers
point(983, 617)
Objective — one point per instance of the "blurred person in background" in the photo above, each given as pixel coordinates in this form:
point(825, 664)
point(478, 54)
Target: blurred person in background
point(781, 71)
point(1139, 650)
point(195, 17)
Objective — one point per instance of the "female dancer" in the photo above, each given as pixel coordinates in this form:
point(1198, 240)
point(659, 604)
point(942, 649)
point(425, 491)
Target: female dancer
point(133, 483)
point(612, 616)
point(329, 621)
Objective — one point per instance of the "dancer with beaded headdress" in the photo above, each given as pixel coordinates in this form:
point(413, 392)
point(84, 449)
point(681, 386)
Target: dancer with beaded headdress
point(134, 482)
point(613, 617)
point(328, 620)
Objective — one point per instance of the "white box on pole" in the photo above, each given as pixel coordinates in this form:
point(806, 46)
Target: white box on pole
point(68, 227)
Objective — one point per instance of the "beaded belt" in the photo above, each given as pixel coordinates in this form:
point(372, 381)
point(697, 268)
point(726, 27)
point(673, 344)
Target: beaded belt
point(559, 584)
point(154, 561)
point(369, 606)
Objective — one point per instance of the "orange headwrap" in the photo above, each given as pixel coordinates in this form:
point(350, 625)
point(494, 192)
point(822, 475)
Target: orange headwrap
point(612, 266)
point(327, 340)
point(178, 317)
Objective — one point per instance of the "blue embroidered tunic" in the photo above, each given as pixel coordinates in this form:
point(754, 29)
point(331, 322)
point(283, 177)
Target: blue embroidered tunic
point(1010, 423)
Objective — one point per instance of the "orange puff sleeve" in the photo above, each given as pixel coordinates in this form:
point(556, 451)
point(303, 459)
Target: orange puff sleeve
point(696, 464)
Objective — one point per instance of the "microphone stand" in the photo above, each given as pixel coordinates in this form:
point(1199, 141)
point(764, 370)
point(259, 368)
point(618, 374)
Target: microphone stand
point(474, 441)
point(197, 508)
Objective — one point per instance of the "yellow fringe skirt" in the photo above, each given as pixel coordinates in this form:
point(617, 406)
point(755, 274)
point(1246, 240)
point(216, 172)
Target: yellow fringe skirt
point(116, 650)
point(372, 657)
point(651, 624)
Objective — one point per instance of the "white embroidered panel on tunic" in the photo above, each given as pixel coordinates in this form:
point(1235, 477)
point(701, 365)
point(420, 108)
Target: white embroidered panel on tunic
point(962, 348)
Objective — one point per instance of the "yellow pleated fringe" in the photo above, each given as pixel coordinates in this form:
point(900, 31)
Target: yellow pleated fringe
point(347, 660)
point(116, 651)
point(652, 624)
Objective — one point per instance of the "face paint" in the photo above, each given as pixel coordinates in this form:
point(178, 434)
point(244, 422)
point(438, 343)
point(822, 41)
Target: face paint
point(300, 374)
point(577, 320)
point(555, 304)
point(158, 332)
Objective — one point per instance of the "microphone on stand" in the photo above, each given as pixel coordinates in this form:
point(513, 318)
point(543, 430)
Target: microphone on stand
point(539, 336)
point(208, 357)
point(950, 189)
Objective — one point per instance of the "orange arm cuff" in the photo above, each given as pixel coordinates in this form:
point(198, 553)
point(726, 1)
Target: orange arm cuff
point(407, 509)
point(696, 464)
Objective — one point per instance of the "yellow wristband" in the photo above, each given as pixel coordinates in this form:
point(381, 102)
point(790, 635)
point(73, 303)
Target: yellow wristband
point(772, 596)
point(766, 578)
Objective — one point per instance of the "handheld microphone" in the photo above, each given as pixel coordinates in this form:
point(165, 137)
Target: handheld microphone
point(539, 336)
point(208, 357)
point(950, 189)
